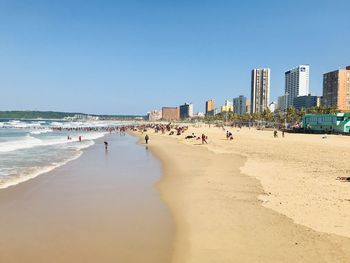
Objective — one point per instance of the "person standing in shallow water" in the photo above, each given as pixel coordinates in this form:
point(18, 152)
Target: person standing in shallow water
point(146, 138)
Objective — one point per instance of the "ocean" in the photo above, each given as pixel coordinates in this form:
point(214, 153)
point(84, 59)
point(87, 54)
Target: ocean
point(29, 148)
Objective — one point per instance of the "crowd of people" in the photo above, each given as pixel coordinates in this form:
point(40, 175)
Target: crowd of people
point(169, 129)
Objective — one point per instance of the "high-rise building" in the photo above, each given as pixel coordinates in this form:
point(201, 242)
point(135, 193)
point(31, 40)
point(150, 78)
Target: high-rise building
point(239, 105)
point(186, 111)
point(336, 89)
point(170, 113)
point(260, 89)
point(296, 83)
point(209, 107)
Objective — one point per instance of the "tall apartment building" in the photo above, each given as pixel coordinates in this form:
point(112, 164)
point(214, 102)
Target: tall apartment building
point(336, 89)
point(209, 107)
point(239, 105)
point(296, 83)
point(170, 113)
point(186, 111)
point(260, 89)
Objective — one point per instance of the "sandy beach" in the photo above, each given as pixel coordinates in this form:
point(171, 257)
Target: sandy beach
point(256, 198)
point(253, 199)
point(101, 207)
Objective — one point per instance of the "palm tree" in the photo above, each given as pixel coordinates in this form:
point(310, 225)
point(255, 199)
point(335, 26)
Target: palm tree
point(291, 114)
point(256, 116)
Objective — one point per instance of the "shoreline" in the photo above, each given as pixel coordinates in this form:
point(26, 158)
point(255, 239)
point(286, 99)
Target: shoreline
point(205, 188)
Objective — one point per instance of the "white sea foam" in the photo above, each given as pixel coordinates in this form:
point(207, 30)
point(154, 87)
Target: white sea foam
point(36, 132)
point(20, 143)
point(31, 142)
point(33, 172)
point(19, 166)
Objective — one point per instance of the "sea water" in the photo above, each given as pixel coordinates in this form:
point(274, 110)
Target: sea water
point(29, 148)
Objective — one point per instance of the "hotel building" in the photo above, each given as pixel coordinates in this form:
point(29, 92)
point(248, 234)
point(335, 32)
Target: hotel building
point(170, 113)
point(296, 83)
point(209, 107)
point(186, 111)
point(336, 89)
point(260, 89)
point(239, 105)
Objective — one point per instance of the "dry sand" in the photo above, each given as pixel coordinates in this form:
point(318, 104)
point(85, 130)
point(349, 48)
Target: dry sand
point(296, 212)
point(98, 208)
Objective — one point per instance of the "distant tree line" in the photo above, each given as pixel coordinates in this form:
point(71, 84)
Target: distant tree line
point(35, 115)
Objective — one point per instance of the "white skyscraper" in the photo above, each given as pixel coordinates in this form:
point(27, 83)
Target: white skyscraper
point(296, 83)
point(260, 89)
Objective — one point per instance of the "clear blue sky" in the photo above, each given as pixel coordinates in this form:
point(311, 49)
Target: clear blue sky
point(128, 57)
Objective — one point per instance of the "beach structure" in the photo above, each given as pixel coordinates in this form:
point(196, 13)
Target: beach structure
point(338, 123)
point(209, 107)
point(170, 113)
point(260, 89)
point(336, 89)
point(296, 83)
point(186, 111)
point(239, 105)
point(306, 102)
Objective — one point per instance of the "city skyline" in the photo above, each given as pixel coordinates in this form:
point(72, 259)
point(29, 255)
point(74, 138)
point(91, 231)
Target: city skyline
point(129, 58)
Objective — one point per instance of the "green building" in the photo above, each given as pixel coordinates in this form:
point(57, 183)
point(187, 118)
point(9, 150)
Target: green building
point(338, 123)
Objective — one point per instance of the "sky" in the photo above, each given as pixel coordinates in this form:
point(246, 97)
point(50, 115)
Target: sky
point(130, 57)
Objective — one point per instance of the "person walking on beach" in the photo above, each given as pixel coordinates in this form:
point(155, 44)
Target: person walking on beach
point(146, 138)
point(282, 133)
point(106, 145)
point(204, 139)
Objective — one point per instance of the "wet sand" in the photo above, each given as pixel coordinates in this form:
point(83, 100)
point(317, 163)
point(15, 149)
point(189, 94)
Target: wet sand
point(102, 207)
point(218, 214)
